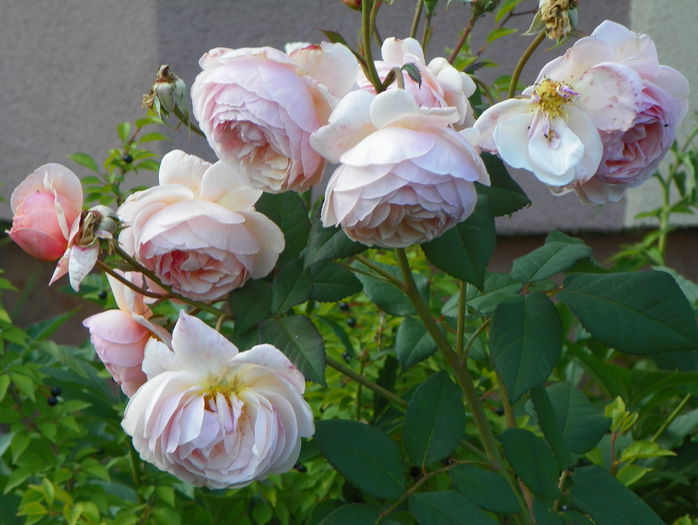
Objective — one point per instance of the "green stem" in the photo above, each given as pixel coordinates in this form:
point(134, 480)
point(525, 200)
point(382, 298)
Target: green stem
point(486, 90)
point(463, 377)
point(107, 269)
point(460, 323)
point(381, 391)
point(464, 36)
point(174, 295)
point(665, 213)
point(473, 338)
point(671, 418)
point(366, 30)
point(374, 15)
point(135, 470)
point(184, 119)
point(426, 35)
point(380, 271)
point(417, 16)
point(522, 62)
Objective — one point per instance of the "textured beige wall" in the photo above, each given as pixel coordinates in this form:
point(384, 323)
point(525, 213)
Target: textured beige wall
point(72, 69)
point(672, 24)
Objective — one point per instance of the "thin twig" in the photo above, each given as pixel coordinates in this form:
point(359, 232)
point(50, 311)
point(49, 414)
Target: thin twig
point(464, 37)
point(384, 392)
point(417, 16)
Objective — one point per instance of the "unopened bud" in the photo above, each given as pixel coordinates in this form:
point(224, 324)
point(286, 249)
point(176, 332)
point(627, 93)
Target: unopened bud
point(169, 92)
point(353, 4)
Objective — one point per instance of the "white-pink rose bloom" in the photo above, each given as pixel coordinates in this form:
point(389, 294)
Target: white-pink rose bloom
point(630, 154)
point(120, 335)
point(440, 85)
point(198, 230)
point(405, 175)
point(214, 416)
point(258, 107)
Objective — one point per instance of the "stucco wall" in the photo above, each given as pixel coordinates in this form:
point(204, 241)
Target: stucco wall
point(72, 69)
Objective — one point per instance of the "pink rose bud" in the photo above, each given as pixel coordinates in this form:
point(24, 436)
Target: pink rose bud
point(45, 206)
point(353, 4)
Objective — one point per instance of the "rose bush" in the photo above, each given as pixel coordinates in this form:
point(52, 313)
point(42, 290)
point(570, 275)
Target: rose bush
point(215, 416)
point(198, 230)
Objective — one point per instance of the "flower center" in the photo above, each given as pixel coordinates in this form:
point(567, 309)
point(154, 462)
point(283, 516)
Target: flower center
point(551, 96)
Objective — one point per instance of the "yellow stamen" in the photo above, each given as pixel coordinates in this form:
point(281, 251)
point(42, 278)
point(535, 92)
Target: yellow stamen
point(551, 96)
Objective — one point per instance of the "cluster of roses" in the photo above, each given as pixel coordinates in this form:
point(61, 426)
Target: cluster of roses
point(598, 120)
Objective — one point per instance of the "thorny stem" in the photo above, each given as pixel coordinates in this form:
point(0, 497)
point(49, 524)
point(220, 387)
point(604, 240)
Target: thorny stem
point(462, 374)
point(170, 294)
point(417, 16)
point(464, 36)
point(107, 269)
point(366, 30)
point(522, 62)
point(381, 391)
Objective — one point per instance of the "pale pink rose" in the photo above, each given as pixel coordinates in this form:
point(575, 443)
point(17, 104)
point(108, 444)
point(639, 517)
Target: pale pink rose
point(405, 176)
point(441, 85)
point(258, 107)
point(45, 207)
point(630, 154)
point(119, 336)
point(214, 416)
point(198, 230)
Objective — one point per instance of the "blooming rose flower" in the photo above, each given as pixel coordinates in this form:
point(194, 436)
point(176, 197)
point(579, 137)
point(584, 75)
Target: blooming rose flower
point(45, 207)
point(631, 153)
point(198, 230)
point(214, 416)
point(442, 85)
point(119, 336)
point(405, 176)
point(258, 107)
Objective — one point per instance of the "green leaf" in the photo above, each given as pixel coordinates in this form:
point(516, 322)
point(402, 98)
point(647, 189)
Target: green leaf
point(636, 313)
point(485, 488)
point(435, 420)
point(329, 243)
point(291, 286)
point(152, 137)
point(447, 507)
point(501, 32)
point(251, 304)
point(85, 160)
point(506, 7)
point(45, 329)
point(124, 131)
point(364, 455)
point(505, 195)
point(549, 424)
point(4, 383)
point(532, 461)
point(297, 337)
point(604, 498)
point(331, 282)
point(582, 424)
point(525, 341)
point(576, 518)
point(465, 250)
point(290, 213)
point(354, 513)
point(24, 384)
point(413, 343)
point(148, 165)
point(556, 255)
point(631, 473)
point(386, 295)
point(644, 449)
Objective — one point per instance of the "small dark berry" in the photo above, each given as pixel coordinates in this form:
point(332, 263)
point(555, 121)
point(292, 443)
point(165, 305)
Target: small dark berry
point(344, 306)
point(301, 468)
point(102, 295)
point(52, 401)
point(56, 391)
point(499, 411)
point(415, 472)
point(128, 159)
point(346, 356)
point(351, 322)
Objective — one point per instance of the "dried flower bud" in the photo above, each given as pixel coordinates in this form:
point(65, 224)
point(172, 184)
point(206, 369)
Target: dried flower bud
point(353, 4)
point(557, 18)
point(99, 222)
point(168, 94)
